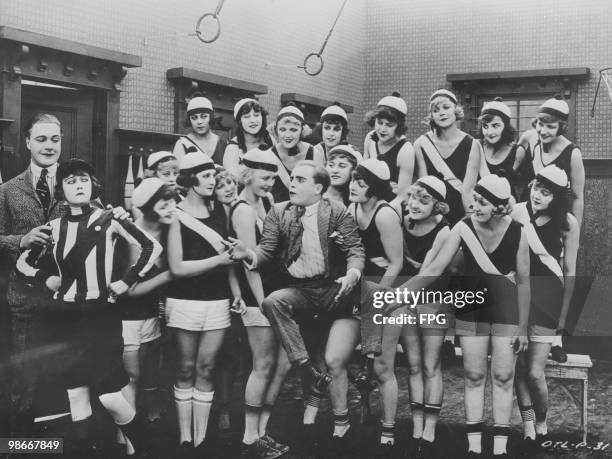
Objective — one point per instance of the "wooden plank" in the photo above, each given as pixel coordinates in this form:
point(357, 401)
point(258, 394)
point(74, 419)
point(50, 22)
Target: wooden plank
point(68, 46)
point(219, 80)
point(304, 99)
point(572, 72)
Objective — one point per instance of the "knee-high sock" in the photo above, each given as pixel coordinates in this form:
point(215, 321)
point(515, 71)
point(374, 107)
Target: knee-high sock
point(118, 407)
point(202, 402)
point(474, 436)
point(80, 406)
point(528, 416)
point(501, 432)
point(183, 399)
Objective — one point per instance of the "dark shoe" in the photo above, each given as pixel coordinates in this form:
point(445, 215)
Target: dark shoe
point(386, 451)
point(473, 455)
point(318, 379)
point(136, 432)
point(558, 354)
point(259, 450)
point(274, 444)
point(309, 440)
point(529, 447)
point(426, 450)
point(342, 447)
point(186, 450)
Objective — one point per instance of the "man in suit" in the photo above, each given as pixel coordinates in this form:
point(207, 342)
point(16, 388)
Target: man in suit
point(317, 244)
point(26, 204)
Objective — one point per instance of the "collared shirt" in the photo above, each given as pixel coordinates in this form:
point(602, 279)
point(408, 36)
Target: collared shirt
point(51, 171)
point(311, 262)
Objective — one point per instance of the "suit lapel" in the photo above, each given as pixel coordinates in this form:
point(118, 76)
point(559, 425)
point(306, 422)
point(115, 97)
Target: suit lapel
point(25, 184)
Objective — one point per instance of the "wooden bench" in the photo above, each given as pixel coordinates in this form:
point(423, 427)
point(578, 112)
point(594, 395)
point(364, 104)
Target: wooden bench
point(575, 369)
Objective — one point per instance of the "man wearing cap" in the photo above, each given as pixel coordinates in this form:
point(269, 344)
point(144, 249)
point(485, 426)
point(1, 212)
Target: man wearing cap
point(317, 243)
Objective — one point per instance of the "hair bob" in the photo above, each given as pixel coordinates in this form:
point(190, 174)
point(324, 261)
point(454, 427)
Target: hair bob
point(96, 188)
point(165, 193)
point(439, 207)
point(390, 114)
point(263, 133)
point(547, 118)
point(429, 121)
point(560, 205)
point(379, 188)
point(508, 134)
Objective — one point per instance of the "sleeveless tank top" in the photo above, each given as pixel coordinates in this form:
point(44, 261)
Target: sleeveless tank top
point(390, 156)
point(279, 191)
point(191, 147)
point(500, 300)
point(416, 247)
point(457, 163)
point(212, 285)
point(372, 243)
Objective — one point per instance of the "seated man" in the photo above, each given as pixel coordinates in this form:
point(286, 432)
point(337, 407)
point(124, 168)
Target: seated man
point(317, 243)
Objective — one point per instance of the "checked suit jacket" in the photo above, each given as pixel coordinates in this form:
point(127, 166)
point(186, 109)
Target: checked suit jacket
point(340, 241)
point(20, 212)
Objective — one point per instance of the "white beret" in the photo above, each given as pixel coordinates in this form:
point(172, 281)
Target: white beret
point(143, 193)
point(556, 107)
point(496, 107)
point(443, 93)
point(199, 103)
point(257, 158)
point(334, 110)
point(156, 157)
point(347, 150)
point(434, 186)
point(394, 102)
point(240, 104)
point(195, 160)
point(553, 175)
point(494, 189)
point(290, 110)
point(377, 167)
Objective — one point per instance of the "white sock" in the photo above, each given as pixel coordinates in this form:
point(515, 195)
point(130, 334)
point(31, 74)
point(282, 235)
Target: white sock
point(183, 400)
point(387, 434)
point(475, 442)
point(118, 407)
point(202, 402)
point(80, 406)
point(341, 423)
point(541, 428)
point(499, 444)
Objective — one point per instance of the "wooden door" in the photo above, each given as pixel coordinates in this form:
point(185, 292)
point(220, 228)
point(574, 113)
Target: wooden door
point(73, 107)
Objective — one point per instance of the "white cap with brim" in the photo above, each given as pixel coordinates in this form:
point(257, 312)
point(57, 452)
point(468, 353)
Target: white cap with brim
point(143, 193)
point(494, 189)
point(257, 158)
point(197, 160)
point(156, 157)
point(443, 93)
point(395, 102)
point(346, 150)
point(199, 104)
point(334, 110)
point(434, 186)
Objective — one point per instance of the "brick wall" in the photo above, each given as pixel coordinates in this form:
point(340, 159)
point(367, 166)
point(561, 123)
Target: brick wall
point(253, 33)
point(412, 45)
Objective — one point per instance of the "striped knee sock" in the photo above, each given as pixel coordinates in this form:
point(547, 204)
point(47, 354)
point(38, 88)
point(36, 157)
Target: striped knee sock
point(341, 422)
point(313, 403)
point(387, 433)
point(528, 417)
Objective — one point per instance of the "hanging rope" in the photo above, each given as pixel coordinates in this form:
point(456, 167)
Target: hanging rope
point(318, 56)
point(601, 73)
point(215, 16)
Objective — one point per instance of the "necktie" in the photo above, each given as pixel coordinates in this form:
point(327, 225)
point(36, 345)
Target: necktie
point(297, 228)
point(42, 189)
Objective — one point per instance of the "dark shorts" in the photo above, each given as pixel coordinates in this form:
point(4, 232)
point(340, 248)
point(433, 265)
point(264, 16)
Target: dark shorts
point(94, 357)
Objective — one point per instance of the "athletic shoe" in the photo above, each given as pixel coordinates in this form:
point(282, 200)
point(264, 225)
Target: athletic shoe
point(274, 444)
point(427, 450)
point(259, 449)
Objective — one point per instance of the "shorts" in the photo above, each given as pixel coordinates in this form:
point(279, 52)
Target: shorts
point(540, 334)
point(468, 328)
point(136, 332)
point(253, 317)
point(197, 315)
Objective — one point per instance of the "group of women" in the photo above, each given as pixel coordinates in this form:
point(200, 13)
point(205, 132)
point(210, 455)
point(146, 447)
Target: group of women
point(426, 211)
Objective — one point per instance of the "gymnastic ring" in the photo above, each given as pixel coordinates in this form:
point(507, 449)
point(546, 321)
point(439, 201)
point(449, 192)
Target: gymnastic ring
point(310, 56)
point(197, 29)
